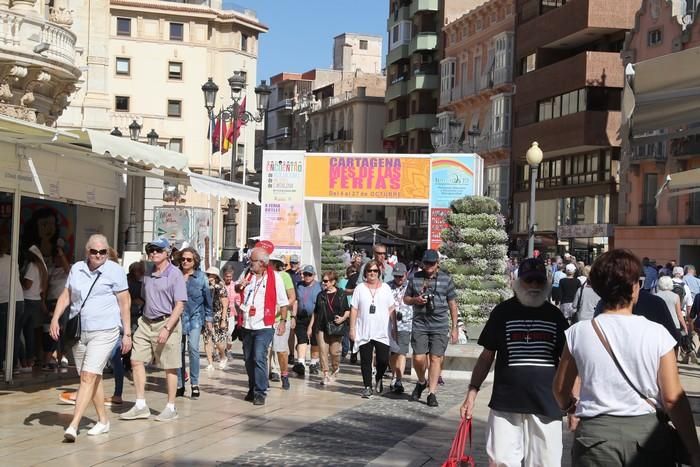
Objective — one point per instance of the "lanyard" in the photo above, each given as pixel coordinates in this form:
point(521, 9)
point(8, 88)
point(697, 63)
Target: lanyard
point(255, 289)
point(373, 294)
point(329, 299)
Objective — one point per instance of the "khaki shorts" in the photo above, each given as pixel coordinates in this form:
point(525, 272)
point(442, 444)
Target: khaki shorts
point(146, 347)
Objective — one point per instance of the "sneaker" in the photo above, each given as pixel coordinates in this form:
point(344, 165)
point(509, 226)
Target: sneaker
point(299, 369)
point(99, 429)
point(64, 362)
point(274, 377)
point(70, 434)
point(285, 382)
point(334, 375)
point(379, 386)
point(195, 392)
point(249, 397)
point(366, 392)
point(325, 381)
point(113, 401)
point(441, 381)
point(167, 415)
point(418, 391)
point(290, 360)
point(259, 399)
point(222, 364)
point(210, 367)
point(398, 387)
point(180, 392)
point(49, 367)
point(135, 414)
point(353, 359)
point(314, 369)
point(432, 400)
point(67, 397)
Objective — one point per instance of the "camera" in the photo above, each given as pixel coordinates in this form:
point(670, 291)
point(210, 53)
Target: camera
point(429, 301)
point(399, 316)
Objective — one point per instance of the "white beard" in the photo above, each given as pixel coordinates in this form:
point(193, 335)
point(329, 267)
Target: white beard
point(532, 298)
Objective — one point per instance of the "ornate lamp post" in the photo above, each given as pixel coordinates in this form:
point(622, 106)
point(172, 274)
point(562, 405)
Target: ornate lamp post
point(238, 117)
point(534, 158)
point(454, 133)
point(116, 132)
point(152, 137)
point(134, 130)
point(131, 243)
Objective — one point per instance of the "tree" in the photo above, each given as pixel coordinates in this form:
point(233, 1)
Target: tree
point(476, 245)
point(332, 255)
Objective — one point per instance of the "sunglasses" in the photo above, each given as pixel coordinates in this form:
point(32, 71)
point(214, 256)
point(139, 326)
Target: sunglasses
point(187, 260)
point(154, 249)
point(98, 252)
point(325, 281)
point(380, 252)
point(429, 263)
point(373, 270)
point(307, 274)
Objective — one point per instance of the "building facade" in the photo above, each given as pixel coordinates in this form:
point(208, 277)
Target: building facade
point(476, 90)
point(569, 86)
point(670, 229)
point(146, 61)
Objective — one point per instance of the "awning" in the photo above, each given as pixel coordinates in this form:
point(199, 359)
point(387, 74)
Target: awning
point(680, 183)
point(224, 188)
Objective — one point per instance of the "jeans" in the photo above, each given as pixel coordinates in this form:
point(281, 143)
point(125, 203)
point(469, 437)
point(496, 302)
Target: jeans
point(382, 354)
point(24, 326)
point(118, 368)
point(255, 344)
point(192, 341)
point(346, 345)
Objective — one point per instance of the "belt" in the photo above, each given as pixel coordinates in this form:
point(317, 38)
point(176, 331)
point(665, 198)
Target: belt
point(156, 320)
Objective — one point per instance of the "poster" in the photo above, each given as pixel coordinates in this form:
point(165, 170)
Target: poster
point(49, 225)
point(452, 176)
point(282, 199)
point(368, 177)
point(185, 224)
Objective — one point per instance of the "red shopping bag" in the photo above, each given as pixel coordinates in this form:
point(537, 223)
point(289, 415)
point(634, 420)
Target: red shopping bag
point(457, 457)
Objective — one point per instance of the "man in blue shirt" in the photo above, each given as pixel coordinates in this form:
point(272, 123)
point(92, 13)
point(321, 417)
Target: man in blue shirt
point(691, 281)
point(650, 274)
point(307, 291)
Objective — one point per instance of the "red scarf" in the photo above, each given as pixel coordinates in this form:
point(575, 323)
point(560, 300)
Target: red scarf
point(270, 297)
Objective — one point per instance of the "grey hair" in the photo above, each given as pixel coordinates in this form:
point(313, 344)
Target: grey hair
point(96, 238)
point(665, 283)
point(264, 255)
point(689, 267)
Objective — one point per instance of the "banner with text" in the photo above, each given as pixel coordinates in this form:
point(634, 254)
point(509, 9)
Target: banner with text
point(282, 208)
point(452, 177)
point(367, 177)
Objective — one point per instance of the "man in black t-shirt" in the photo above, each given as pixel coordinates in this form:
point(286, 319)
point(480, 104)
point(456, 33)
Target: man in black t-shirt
point(525, 335)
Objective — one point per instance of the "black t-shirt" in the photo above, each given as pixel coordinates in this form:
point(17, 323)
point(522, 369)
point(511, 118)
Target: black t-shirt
point(567, 288)
point(528, 343)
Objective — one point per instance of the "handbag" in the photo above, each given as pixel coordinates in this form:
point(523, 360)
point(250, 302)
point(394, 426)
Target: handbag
point(73, 325)
point(457, 456)
point(333, 329)
point(680, 452)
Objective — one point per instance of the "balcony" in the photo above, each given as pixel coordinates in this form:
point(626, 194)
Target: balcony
point(401, 14)
point(421, 122)
point(395, 128)
point(423, 82)
point(285, 105)
point(397, 53)
point(396, 89)
point(684, 148)
point(423, 41)
point(503, 75)
point(577, 132)
point(39, 58)
point(494, 142)
point(418, 6)
point(655, 152)
point(647, 214)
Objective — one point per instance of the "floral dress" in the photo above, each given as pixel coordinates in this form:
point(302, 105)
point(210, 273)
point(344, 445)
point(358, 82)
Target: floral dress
point(220, 316)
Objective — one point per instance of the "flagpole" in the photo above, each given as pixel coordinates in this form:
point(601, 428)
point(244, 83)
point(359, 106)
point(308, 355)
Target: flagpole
point(209, 156)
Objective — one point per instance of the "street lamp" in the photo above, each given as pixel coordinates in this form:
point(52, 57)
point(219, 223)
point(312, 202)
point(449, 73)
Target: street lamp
point(116, 132)
point(238, 117)
point(152, 137)
point(455, 130)
point(134, 131)
point(534, 158)
point(472, 134)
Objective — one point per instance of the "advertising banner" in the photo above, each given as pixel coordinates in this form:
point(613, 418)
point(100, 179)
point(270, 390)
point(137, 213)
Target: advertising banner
point(452, 176)
point(367, 177)
point(185, 224)
point(282, 199)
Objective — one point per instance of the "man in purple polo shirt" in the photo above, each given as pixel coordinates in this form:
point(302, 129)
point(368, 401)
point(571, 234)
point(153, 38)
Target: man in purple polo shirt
point(160, 332)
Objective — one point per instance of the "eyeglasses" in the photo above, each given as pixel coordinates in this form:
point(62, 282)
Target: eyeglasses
point(376, 271)
point(153, 249)
point(98, 252)
point(187, 260)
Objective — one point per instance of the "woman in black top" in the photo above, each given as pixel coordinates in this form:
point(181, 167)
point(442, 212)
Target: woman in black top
point(568, 287)
point(330, 317)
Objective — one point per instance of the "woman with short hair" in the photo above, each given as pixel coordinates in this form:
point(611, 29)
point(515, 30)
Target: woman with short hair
point(96, 290)
point(627, 369)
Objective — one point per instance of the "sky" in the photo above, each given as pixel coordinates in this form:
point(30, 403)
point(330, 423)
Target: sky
point(302, 31)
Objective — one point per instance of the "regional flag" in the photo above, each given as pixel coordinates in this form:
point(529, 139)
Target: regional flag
point(214, 134)
point(233, 133)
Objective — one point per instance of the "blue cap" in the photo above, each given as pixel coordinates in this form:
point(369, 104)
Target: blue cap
point(159, 242)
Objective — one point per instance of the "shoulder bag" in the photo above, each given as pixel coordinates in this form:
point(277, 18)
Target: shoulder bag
point(333, 329)
point(73, 326)
point(680, 453)
point(577, 311)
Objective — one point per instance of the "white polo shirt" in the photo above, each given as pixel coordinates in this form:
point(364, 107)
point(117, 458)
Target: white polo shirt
point(254, 295)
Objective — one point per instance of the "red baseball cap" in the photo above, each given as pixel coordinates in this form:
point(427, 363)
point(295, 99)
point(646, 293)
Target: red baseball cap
point(266, 245)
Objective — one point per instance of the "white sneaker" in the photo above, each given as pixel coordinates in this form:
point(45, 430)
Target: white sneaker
point(64, 362)
point(98, 429)
point(70, 434)
point(210, 367)
point(222, 364)
point(167, 415)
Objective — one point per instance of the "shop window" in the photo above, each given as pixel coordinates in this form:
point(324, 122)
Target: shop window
point(174, 108)
point(123, 66)
point(121, 104)
point(177, 32)
point(123, 26)
point(527, 64)
point(175, 70)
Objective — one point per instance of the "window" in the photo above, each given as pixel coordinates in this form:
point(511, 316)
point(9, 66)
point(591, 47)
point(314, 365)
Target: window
point(423, 217)
point(528, 63)
point(174, 70)
point(562, 105)
point(447, 75)
point(174, 108)
point(123, 26)
point(244, 42)
point(175, 144)
point(121, 104)
point(177, 31)
point(123, 66)
point(648, 208)
point(654, 37)
point(363, 44)
point(500, 111)
point(400, 34)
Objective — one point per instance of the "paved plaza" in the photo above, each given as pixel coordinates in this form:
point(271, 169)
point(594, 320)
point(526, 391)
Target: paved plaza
point(308, 425)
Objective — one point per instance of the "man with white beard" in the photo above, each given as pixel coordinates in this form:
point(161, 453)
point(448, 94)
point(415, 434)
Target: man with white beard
point(525, 335)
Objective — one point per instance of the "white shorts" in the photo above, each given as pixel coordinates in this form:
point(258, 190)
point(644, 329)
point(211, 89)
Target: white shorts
point(528, 440)
point(281, 343)
point(94, 349)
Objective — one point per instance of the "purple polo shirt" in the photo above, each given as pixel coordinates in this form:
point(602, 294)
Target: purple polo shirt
point(162, 291)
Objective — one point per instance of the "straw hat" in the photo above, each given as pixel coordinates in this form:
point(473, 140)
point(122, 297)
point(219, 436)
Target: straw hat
point(214, 271)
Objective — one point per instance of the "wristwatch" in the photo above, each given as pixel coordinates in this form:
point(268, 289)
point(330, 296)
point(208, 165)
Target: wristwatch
point(127, 335)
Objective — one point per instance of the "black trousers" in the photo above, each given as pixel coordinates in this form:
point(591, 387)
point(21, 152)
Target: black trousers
point(382, 353)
